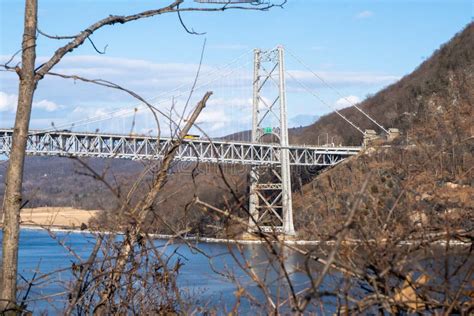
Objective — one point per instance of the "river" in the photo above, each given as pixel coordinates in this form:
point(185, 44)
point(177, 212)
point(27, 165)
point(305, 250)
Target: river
point(197, 277)
point(204, 277)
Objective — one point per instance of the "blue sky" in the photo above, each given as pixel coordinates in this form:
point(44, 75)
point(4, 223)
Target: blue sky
point(357, 46)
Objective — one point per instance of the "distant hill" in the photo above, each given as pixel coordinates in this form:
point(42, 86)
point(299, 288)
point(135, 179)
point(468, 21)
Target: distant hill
point(56, 181)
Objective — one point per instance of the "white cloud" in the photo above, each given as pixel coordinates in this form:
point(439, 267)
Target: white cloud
point(364, 14)
point(213, 117)
point(347, 101)
point(8, 102)
point(89, 112)
point(239, 103)
point(46, 105)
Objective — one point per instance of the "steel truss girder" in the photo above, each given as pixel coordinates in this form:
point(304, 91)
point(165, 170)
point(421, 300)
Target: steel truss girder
point(76, 144)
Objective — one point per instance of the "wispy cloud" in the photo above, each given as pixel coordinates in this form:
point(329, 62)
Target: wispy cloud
point(47, 105)
point(235, 102)
point(347, 101)
point(364, 14)
point(8, 103)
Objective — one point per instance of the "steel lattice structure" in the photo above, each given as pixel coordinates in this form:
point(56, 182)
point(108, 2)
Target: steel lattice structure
point(77, 144)
point(270, 202)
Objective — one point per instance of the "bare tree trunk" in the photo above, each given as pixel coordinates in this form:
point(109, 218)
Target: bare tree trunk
point(14, 176)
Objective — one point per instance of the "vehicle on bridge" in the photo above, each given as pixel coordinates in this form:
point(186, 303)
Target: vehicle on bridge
point(192, 136)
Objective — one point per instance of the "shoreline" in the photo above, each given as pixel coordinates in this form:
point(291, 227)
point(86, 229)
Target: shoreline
point(237, 241)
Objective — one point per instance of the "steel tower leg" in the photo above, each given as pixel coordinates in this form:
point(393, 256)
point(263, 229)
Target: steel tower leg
point(253, 199)
point(270, 202)
point(287, 202)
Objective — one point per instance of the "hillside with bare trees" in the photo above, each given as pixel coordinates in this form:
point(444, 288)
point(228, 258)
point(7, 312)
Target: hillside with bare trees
point(423, 180)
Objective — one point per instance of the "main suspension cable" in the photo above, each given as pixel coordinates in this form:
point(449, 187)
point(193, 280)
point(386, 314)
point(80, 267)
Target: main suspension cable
point(335, 90)
point(325, 103)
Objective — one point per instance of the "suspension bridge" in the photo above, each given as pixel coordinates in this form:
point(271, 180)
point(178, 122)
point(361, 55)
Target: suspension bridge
point(268, 151)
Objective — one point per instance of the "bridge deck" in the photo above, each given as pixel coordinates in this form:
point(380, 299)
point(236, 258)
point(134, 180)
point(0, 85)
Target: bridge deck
point(66, 143)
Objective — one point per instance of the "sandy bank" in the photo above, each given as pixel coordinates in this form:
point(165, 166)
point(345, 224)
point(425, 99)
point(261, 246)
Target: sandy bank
point(66, 217)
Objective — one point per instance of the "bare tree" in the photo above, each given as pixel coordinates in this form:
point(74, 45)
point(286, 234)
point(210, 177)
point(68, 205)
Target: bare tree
point(14, 178)
point(29, 76)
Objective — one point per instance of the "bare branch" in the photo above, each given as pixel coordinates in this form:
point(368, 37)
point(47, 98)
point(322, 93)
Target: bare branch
point(57, 37)
point(95, 48)
point(192, 32)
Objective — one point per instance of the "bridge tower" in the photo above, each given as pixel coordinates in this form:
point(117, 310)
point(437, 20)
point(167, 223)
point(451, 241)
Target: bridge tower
point(270, 204)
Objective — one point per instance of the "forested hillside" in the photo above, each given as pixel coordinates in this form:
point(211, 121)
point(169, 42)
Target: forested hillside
point(423, 179)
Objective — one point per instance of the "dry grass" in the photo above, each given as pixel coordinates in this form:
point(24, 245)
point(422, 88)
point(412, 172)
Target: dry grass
point(56, 216)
